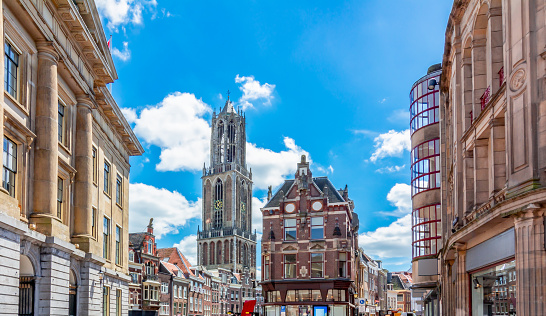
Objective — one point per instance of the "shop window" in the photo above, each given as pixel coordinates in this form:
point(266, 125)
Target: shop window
point(493, 293)
point(317, 227)
point(273, 296)
point(290, 229)
point(10, 166)
point(290, 266)
point(336, 295)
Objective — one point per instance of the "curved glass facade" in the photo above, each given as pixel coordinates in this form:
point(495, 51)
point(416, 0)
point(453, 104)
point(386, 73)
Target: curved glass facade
point(425, 166)
point(424, 103)
point(426, 230)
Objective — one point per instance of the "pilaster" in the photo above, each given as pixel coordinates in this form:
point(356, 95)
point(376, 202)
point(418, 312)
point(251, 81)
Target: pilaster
point(530, 261)
point(481, 171)
point(54, 284)
point(461, 283)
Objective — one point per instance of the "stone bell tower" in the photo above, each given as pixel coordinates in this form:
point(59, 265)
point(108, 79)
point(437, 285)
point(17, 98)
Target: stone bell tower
point(225, 239)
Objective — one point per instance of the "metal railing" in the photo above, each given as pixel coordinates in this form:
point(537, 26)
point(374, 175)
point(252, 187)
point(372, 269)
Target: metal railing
point(225, 167)
point(225, 231)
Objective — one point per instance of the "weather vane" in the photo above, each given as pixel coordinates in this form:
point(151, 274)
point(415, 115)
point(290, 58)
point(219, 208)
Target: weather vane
point(228, 94)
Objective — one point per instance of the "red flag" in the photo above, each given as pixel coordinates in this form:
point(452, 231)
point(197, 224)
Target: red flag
point(109, 43)
point(248, 308)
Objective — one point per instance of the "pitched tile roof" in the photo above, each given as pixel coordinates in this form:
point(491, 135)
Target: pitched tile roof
point(136, 239)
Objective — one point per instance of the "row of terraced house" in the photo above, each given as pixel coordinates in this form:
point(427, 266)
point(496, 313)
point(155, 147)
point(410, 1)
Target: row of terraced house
point(164, 282)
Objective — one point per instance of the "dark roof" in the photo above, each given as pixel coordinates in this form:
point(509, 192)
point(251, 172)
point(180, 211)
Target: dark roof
point(136, 239)
point(321, 182)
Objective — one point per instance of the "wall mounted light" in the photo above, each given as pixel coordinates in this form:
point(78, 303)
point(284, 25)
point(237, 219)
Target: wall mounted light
point(432, 84)
point(477, 284)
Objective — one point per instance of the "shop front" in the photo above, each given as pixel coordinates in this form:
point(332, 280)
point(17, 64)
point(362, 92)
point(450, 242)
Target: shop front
point(306, 310)
point(491, 267)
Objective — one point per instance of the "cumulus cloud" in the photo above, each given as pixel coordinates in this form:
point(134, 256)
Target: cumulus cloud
point(130, 114)
point(393, 241)
point(188, 246)
point(177, 126)
point(124, 54)
point(391, 144)
point(254, 91)
point(390, 169)
point(170, 209)
point(122, 12)
point(270, 167)
point(257, 214)
point(400, 197)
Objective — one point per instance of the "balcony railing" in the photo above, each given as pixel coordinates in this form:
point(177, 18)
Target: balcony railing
point(225, 231)
point(486, 97)
point(226, 167)
point(151, 277)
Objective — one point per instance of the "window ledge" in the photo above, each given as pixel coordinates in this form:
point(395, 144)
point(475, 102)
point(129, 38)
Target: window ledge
point(16, 102)
point(120, 207)
point(65, 148)
point(107, 194)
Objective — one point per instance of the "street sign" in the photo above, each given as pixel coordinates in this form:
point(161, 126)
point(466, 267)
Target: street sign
point(361, 301)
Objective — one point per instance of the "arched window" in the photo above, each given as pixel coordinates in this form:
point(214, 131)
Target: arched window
point(219, 253)
point(218, 204)
point(220, 139)
point(244, 206)
point(230, 156)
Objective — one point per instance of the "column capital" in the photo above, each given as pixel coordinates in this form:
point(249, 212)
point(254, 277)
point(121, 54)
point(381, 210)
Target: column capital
point(85, 101)
point(47, 50)
point(529, 212)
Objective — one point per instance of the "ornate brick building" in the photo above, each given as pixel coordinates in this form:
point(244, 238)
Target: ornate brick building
point(493, 135)
point(309, 248)
point(64, 201)
point(226, 240)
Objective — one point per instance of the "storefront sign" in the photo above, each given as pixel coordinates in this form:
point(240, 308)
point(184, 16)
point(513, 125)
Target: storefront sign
point(320, 311)
point(283, 310)
point(493, 250)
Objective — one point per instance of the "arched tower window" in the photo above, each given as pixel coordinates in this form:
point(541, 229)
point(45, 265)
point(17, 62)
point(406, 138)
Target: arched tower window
point(231, 146)
point(244, 206)
point(218, 204)
point(220, 142)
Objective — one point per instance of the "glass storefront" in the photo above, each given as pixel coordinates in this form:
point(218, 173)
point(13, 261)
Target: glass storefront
point(494, 290)
point(306, 310)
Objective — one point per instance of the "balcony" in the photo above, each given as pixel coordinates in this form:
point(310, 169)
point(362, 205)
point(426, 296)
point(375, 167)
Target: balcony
point(153, 278)
point(226, 167)
point(485, 98)
point(225, 231)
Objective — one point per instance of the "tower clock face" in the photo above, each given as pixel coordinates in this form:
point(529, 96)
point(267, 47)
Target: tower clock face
point(218, 204)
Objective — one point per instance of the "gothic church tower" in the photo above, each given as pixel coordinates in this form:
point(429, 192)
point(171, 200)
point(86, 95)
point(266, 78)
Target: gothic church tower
point(226, 239)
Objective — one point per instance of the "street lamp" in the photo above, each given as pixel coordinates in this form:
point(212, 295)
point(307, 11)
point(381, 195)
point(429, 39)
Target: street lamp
point(432, 84)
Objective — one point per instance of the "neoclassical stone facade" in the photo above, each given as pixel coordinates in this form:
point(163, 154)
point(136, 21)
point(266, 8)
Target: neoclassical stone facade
point(65, 178)
point(493, 135)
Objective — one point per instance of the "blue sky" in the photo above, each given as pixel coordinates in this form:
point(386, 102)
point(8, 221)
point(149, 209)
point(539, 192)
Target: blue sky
point(329, 79)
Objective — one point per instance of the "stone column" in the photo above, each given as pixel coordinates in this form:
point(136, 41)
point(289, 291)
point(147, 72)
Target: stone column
point(84, 175)
point(53, 295)
point(530, 261)
point(46, 144)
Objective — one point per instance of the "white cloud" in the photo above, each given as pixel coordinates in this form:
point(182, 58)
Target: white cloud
point(177, 126)
point(331, 169)
point(271, 168)
point(400, 196)
point(188, 246)
point(390, 169)
point(254, 91)
point(389, 242)
point(130, 114)
point(170, 210)
point(383, 100)
point(391, 144)
point(123, 55)
point(122, 12)
point(326, 170)
point(257, 220)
